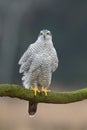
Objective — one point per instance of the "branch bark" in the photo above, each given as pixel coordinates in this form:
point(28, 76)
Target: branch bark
point(17, 91)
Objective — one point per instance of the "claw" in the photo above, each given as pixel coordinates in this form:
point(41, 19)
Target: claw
point(35, 90)
point(45, 91)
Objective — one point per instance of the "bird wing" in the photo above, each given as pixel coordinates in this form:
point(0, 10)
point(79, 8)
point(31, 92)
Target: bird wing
point(26, 60)
point(25, 56)
point(25, 65)
point(54, 60)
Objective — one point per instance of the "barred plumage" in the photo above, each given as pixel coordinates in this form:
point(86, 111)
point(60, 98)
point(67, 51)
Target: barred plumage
point(39, 61)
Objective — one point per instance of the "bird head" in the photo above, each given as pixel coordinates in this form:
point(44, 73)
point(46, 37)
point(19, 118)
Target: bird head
point(45, 35)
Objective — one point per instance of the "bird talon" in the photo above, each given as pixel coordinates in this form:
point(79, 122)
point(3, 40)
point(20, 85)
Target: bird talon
point(45, 91)
point(35, 90)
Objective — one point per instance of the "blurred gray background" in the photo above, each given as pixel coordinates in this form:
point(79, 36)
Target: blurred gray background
point(20, 23)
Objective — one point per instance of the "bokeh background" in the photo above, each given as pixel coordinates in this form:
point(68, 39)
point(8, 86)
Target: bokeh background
point(20, 23)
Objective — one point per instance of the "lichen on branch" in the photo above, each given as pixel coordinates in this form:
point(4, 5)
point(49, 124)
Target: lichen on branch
point(17, 91)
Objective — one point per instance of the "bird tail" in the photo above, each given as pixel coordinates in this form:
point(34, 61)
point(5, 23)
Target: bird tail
point(32, 108)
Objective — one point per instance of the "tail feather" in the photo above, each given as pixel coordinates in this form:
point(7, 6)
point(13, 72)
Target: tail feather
point(32, 108)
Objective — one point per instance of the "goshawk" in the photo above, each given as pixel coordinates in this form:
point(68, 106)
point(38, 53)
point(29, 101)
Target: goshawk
point(37, 65)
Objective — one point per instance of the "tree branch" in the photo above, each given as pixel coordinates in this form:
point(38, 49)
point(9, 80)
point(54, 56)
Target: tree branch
point(17, 91)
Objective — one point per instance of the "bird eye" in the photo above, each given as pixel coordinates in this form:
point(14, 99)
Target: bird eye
point(48, 33)
point(41, 33)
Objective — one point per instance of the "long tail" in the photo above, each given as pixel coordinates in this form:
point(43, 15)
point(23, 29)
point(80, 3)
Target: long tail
point(32, 108)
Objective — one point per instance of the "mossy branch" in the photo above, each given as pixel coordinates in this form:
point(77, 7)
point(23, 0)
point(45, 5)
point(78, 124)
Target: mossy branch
point(17, 91)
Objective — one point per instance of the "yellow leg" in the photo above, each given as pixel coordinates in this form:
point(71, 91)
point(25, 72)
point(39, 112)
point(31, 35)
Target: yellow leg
point(35, 90)
point(45, 91)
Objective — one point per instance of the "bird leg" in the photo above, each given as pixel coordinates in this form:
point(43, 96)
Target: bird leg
point(45, 91)
point(35, 90)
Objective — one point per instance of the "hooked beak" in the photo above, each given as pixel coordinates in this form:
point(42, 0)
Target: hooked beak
point(44, 36)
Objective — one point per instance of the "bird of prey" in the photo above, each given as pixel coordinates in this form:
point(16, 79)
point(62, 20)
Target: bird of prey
point(37, 65)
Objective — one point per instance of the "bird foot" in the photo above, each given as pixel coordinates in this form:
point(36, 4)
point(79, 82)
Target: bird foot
point(45, 91)
point(35, 90)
